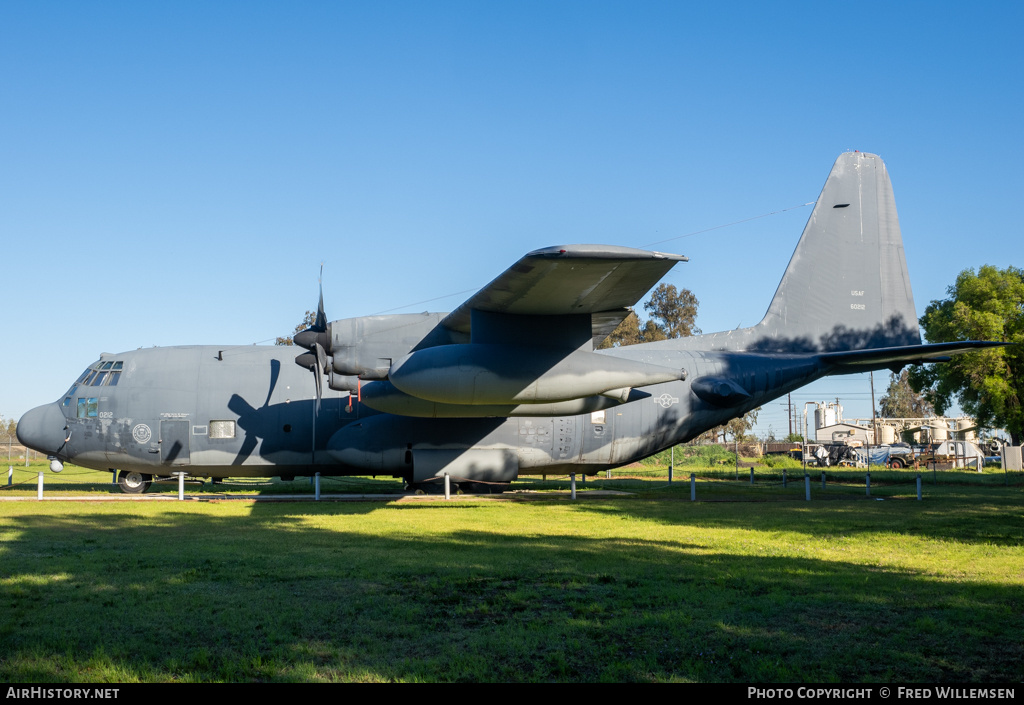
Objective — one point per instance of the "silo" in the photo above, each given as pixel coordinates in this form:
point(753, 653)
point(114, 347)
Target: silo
point(966, 422)
point(887, 434)
point(827, 414)
point(939, 430)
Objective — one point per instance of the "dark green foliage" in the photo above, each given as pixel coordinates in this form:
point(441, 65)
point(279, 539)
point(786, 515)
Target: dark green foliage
point(672, 315)
point(989, 384)
point(696, 456)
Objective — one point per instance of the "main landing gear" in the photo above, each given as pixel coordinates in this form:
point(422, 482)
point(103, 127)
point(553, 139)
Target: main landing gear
point(436, 486)
point(133, 482)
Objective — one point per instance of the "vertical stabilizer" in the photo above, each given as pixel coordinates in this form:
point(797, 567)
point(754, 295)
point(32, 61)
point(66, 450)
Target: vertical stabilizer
point(846, 286)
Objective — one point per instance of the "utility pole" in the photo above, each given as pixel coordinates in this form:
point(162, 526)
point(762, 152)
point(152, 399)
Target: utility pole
point(789, 397)
point(874, 419)
point(874, 416)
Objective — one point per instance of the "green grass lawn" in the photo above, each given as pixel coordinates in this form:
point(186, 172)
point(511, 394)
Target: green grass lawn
point(641, 587)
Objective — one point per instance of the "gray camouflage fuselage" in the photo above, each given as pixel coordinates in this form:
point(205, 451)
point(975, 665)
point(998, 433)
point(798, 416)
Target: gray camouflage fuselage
point(509, 383)
point(158, 417)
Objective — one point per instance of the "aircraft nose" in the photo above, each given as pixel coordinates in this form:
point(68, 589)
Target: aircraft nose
point(42, 429)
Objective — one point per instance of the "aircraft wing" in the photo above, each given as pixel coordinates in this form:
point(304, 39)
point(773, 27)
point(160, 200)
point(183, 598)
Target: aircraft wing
point(601, 280)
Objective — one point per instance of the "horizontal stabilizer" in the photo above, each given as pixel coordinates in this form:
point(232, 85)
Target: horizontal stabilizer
point(907, 354)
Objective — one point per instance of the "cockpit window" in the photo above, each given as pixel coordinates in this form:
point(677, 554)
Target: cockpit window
point(106, 373)
point(87, 408)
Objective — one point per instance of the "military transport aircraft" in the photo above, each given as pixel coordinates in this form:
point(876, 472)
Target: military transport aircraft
point(510, 382)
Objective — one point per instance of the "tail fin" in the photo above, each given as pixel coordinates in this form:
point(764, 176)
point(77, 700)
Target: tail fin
point(846, 286)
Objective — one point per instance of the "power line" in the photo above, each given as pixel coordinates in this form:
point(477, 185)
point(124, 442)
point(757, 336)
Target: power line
point(726, 225)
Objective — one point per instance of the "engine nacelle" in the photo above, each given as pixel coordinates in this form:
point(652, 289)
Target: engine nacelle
point(366, 346)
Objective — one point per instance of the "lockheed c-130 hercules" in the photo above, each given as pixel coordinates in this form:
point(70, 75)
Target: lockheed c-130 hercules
point(510, 382)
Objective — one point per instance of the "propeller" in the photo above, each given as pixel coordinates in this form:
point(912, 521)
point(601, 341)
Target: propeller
point(316, 340)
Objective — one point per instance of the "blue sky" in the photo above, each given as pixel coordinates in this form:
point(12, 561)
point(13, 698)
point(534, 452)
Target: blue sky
point(175, 172)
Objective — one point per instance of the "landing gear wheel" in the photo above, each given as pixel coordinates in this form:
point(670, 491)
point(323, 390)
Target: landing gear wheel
point(133, 482)
point(429, 487)
point(483, 487)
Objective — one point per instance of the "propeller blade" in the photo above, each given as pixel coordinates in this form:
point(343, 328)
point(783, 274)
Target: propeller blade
point(319, 387)
point(320, 324)
point(316, 334)
point(321, 358)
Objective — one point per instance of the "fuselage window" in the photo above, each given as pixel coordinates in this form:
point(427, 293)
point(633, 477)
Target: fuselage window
point(87, 408)
point(222, 429)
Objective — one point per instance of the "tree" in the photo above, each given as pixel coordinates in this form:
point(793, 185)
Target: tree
point(307, 321)
point(988, 384)
point(675, 311)
point(901, 401)
point(737, 429)
point(626, 333)
point(672, 312)
point(8, 433)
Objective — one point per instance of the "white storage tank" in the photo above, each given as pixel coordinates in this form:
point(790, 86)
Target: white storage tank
point(827, 414)
point(966, 422)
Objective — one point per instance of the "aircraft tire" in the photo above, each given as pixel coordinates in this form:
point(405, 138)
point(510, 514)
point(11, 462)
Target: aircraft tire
point(426, 488)
point(471, 488)
point(133, 482)
point(461, 487)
